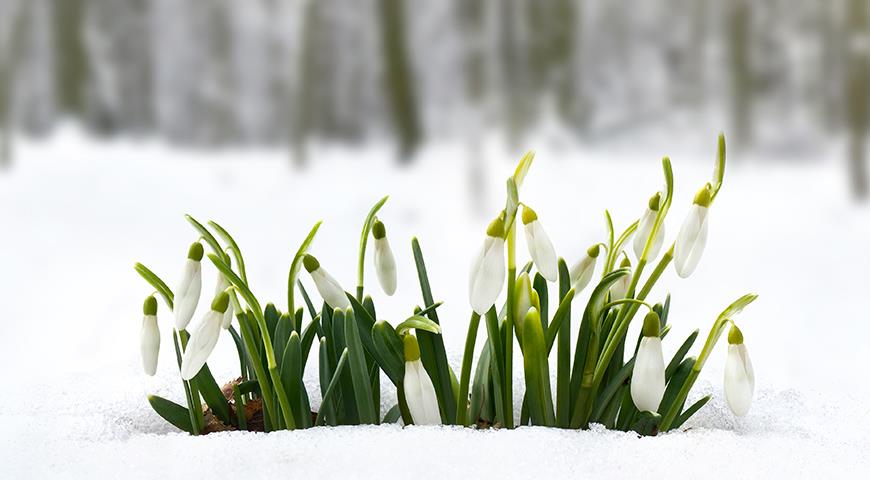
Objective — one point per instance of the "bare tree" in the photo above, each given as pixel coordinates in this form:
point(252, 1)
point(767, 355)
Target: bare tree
point(738, 31)
point(400, 84)
point(856, 94)
point(71, 70)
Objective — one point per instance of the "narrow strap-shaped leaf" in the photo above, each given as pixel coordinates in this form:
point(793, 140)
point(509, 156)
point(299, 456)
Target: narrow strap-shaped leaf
point(687, 413)
point(359, 372)
point(420, 324)
point(291, 377)
point(370, 306)
point(241, 419)
point(680, 354)
point(282, 334)
point(308, 339)
point(496, 361)
point(676, 383)
point(333, 383)
point(392, 415)
point(327, 405)
point(311, 310)
point(540, 286)
point(237, 253)
point(388, 351)
point(607, 395)
point(432, 346)
point(537, 371)
point(562, 315)
point(347, 408)
point(296, 264)
point(560, 328)
point(467, 362)
point(172, 412)
point(271, 314)
point(478, 386)
point(212, 394)
point(209, 238)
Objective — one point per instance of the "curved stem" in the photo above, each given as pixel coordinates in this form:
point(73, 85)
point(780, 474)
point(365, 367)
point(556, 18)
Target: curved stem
point(465, 374)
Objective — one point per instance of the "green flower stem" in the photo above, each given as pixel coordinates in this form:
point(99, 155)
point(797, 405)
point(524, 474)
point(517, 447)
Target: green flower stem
point(465, 374)
point(363, 241)
point(296, 264)
point(259, 371)
point(509, 327)
point(194, 418)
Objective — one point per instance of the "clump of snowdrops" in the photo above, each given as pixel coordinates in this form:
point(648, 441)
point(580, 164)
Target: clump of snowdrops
point(603, 378)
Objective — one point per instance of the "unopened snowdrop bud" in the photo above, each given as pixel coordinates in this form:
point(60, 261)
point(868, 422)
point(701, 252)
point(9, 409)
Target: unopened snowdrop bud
point(149, 336)
point(419, 391)
point(385, 262)
point(739, 376)
point(620, 287)
point(222, 285)
point(581, 272)
point(693, 235)
point(540, 247)
point(189, 288)
point(526, 298)
point(648, 376)
point(204, 338)
point(328, 287)
point(488, 269)
point(647, 222)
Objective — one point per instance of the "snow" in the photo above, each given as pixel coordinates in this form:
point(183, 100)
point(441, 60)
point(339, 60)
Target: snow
point(76, 213)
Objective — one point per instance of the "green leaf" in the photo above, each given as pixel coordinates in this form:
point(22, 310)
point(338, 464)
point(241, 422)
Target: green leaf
point(419, 323)
point(607, 395)
point(237, 252)
point(157, 283)
point(327, 405)
point(291, 377)
point(392, 415)
point(333, 384)
point(359, 371)
point(212, 394)
point(560, 328)
point(281, 335)
point(523, 167)
point(678, 356)
point(208, 237)
point(271, 315)
point(676, 383)
point(537, 372)
point(497, 362)
point(540, 286)
point(308, 339)
point(563, 314)
point(241, 420)
point(478, 386)
point(690, 411)
point(171, 412)
point(388, 351)
point(432, 351)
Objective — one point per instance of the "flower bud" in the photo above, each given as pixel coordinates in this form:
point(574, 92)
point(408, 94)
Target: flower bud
point(488, 269)
point(620, 287)
point(204, 338)
point(581, 272)
point(645, 226)
point(328, 287)
point(149, 337)
point(739, 375)
point(419, 391)
point(648, 375)
point(526, 298)
point(385, 262)
point(540, 247)
point(189, 287)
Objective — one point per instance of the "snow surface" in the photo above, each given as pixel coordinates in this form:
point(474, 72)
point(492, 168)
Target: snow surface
point(76, 214)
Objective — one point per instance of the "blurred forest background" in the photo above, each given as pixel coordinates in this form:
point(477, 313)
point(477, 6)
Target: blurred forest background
point(774, 74)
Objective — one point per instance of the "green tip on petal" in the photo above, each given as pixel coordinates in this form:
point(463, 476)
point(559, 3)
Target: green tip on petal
point(378, 230)
point(311, 264)
point(221, 302)
point(412, 348)
point(625, 263)
point(593, 251)
point(496, 228)
point(150, 307)
point(655, 201)
point(529, 215)
point(704, 196)
point(195, 252)
point(735, 336)
point(651, 325)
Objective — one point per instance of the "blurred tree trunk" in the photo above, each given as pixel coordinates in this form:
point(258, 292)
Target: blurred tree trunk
point(304, 97)
point(738, 18)
point(70, 56)
point(471, 22)
point(400, 84)
point(856, 94)
point(566, 24)
point(9, 59)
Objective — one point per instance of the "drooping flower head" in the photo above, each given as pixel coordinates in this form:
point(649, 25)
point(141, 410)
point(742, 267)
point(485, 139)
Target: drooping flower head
point(328, 287)
point(644, 228)
point(648, 375)
point(540, 247)
point(189, 287)
point(149, 336)
point(693, 234)
point(739, 375)
point(581, 272)
point(419, 390)
point(488, 269)
point(204, 338)
point(385, 262)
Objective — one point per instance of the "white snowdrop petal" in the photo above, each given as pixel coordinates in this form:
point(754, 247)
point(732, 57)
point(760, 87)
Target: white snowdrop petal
point(329, 289)
point(581, 273)
point(385, 265)
point(149, 338)
point(643, 229)
point(739, 379)
point(487, 275)
point(187, 293)
point(541, 250)
point(691, 241)
point(648, 376)
point(420, 395)
point(620, 288)
point(202, 342)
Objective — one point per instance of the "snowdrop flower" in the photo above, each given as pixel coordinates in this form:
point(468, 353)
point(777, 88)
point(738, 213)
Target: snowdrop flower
point(419, 391)
point(149, 336)
point(526, 298)
point(222, 285)
point(328, 287)
point(581, 272)
point(540, 247)
point(620, 287)
point(693, 235)
point(204, 338)
point(644, 228)
point(488, 270)
point(739, 376)
point(648, 376)
point(385, 262)
point(189, 288)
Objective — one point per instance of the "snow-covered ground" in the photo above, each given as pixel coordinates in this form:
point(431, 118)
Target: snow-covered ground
point(75, 214)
